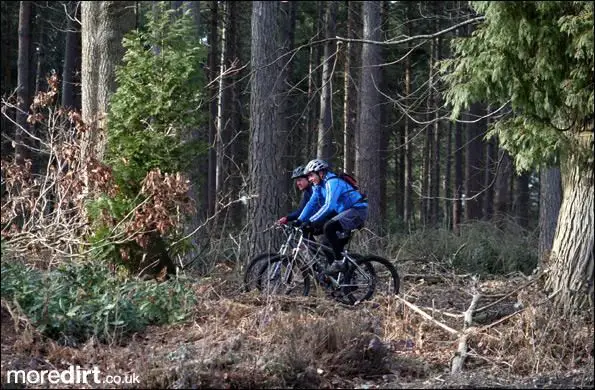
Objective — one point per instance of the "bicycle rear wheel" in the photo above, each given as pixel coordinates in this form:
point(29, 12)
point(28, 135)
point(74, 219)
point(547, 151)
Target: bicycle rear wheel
point(360, 280)
point(280, 275)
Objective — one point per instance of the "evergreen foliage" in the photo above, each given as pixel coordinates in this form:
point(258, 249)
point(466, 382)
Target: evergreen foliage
point(76, 301)
point(160, 89)
point(538, 57)
point(151, 118)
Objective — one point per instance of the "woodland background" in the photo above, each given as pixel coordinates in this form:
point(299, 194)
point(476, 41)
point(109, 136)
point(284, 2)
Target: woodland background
point(143, 137)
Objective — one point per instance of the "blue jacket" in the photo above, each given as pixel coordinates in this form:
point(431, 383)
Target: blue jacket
point(307, 194)
point(335, 196)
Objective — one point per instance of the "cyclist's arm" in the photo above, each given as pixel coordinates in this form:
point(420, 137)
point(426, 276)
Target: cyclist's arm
point(307, 194)
point(311, 206)
point(330, 202)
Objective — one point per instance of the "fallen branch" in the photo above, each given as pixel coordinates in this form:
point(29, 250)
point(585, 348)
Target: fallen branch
point(461, 354)
point(427, 316)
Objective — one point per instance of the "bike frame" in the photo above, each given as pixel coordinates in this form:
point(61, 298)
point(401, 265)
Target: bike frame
point(308, 253)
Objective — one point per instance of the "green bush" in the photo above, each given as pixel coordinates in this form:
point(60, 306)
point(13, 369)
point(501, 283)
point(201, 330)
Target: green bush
point(80, 300)
point(152, 116)
point(481, 247)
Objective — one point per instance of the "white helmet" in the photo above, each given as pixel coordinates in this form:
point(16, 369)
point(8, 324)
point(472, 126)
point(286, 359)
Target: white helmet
point(315, 166)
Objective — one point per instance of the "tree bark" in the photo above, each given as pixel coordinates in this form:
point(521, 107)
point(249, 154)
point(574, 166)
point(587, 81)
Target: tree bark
point(408, 212)
point(325, 121)
point(368, 144)
point(350, 98)
point(266, 147)
point(457, 209)
point(474, 164)
point(212, 75)
point(104, 24)
point(550, 198)
point(23, 88)
point(521, 199)
point(571, 259)
point(70, 54)
point(502, 190)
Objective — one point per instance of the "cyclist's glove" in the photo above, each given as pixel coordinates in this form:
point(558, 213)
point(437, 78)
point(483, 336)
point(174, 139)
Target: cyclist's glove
point(295, 223)
point(307, 227)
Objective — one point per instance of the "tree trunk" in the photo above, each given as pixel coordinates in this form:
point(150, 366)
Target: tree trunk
point(502, 190)
point(212, 178)
point(488, 179)
point(70, 54)
point(266, 145)
point(104, 24)
point(288, 18)
point(457, 203)
point(446, 184)
point(550, 198)
point(350, 98)
point(222, 137)
point(368, 145)
point(435, 186)
point(474, 164)
point(408, 213)
point(39, 50)
point(571, 259)
point(325, 121)
point(24, 88)
point(521, 199)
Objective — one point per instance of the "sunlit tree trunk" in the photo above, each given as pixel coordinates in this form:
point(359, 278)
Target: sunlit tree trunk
point(104, 24)
point(571, 259)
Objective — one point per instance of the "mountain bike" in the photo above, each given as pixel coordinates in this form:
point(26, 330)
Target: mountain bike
point(301, 261)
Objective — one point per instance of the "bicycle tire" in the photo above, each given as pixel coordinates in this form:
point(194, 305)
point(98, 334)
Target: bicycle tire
point(389, 273)
point(251, 273)
point(290, 285)
point(364, 269)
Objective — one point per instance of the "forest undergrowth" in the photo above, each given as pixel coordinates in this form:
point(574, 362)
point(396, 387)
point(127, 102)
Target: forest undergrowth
point(202, 330)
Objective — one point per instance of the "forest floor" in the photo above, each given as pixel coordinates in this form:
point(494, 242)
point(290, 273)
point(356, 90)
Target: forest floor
point(245, 340)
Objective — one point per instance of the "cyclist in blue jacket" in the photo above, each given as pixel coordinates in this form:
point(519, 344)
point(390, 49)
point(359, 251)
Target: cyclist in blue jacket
point(336, 206)
point(302, 183)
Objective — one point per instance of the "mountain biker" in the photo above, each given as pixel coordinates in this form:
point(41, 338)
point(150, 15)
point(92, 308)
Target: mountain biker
point(302, 183)
point(336, 206)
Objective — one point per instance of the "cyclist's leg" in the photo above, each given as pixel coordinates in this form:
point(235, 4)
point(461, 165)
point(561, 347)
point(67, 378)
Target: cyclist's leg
point(334, 234)
point(338, 229)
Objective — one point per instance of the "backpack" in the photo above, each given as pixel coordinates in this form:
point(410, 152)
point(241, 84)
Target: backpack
point(351, 181)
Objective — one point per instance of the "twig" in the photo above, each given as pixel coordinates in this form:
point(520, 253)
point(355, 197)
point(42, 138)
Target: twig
point(509, 294)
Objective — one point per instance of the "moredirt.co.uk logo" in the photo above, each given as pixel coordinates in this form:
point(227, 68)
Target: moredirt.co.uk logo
point(72, 376)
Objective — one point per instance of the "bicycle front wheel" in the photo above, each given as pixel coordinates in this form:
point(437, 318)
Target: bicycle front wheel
point(281, 275)
point(252, 273)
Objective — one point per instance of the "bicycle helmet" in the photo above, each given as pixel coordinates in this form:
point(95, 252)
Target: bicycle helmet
point(315, 166)
point(298, 172)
